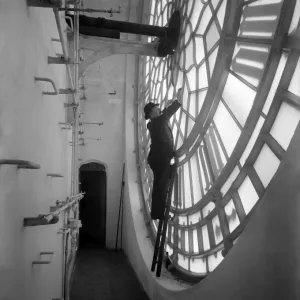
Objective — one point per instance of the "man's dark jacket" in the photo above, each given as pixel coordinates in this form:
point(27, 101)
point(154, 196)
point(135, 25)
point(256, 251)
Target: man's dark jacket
point(162, 144)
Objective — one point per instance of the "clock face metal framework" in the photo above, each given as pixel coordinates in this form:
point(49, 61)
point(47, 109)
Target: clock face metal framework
point(239, 71)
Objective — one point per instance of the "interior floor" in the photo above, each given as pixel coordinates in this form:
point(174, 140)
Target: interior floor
point(104, 274)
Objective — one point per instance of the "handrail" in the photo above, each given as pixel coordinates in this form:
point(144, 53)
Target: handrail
point(53, 217)
point(44, 262)
point(50, 216)
point(71, 22)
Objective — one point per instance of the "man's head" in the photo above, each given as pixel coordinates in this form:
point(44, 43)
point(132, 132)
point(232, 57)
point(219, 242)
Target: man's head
point(151, 110)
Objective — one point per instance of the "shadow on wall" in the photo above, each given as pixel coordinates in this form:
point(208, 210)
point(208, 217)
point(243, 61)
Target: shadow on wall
point(92, 210)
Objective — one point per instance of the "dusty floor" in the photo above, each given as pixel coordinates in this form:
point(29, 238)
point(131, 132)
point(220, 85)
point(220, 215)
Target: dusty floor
point(102, 274)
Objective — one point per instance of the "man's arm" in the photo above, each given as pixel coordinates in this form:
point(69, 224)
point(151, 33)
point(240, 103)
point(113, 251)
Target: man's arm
point(173, 105)
point(171, 110)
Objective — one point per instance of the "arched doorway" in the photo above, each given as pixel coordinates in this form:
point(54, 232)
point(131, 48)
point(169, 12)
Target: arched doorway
point(92, 209)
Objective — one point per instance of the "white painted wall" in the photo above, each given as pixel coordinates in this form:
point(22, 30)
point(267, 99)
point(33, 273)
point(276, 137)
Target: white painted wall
point(110, 150)
point(29, 130)
point(106, 76)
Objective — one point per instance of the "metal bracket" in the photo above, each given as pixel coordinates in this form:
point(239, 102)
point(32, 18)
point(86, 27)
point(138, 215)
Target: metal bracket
point(63, 231)
point(59, 60)
point(47, 80)
point(67, 91)
point(54, 175)
point(45, 3)
point(74, 224)
point(65, 125)
point(71, 21)
point(55, 40)
point(39, 221)
point(21, 164)
point(71, 104)
point(44, 262)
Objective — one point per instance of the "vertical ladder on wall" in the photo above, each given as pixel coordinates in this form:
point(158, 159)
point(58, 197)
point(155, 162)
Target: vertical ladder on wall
point(162, 227)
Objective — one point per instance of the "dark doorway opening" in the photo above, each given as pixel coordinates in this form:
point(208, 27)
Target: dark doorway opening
point(92, 208)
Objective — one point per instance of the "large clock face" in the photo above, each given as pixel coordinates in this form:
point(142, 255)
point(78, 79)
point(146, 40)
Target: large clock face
point(238, 115)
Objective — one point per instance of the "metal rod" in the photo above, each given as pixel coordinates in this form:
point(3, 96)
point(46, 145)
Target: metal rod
point(50, 216)
point(120, 208)
point(91, 123)
point(134, 28)
point(80, 139)
point(63, 45)
point(74, 178)
point(90, 25)
point(90, 10)
point(75, 108)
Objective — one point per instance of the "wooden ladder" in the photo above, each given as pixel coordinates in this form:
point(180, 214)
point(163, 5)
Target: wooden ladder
point(162, 227)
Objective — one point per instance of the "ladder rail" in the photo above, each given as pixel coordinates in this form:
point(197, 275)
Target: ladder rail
point(162, 227)
point(156, 247)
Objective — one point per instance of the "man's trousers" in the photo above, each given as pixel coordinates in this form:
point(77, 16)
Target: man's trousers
point(161, 172)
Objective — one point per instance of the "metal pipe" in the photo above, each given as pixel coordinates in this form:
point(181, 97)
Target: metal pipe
point(91, 123)
point(76, 114)
point(53, 217)
point(65, 260)
point(70, 267)
point(74, 184)
point(90, 25)
point(63, 44)
point(69, 261)
point(64, 48)
point(134, 28)
point(90, 10)
point(80, 139)
point(64, 207)
point(75, 123)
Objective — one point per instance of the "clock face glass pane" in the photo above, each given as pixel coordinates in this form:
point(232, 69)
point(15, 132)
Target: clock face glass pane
point(230, 73)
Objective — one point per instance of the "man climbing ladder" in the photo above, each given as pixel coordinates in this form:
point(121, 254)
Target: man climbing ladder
point(159, 158)
point(161, 151)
